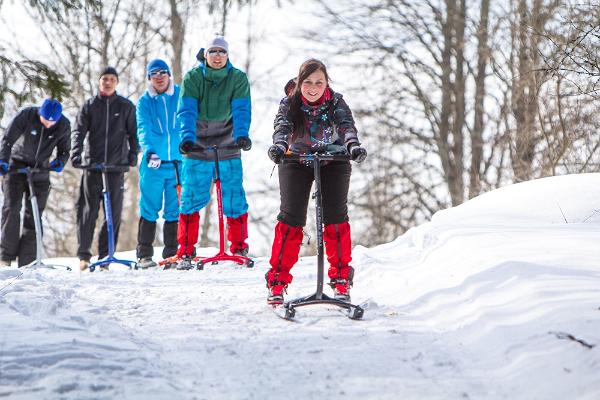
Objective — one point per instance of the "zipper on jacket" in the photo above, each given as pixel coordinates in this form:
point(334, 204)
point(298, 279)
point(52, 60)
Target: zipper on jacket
point(106, 133)
point(37, 152)
point(168, 131)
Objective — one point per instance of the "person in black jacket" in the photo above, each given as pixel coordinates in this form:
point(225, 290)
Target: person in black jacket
point(29, 141)
point(105, 133)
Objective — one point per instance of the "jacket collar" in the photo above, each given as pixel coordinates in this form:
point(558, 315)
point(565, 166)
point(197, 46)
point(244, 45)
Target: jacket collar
point(110, 98)
point(207, 71)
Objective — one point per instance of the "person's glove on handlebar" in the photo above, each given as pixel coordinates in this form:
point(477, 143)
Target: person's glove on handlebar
point(132, 159)
point(357, 153)
point(76, 161)
point(276, 152)
point(153, 160)
point(3, 167)
point(186, 147)
point(244, 142)
point(56, 165)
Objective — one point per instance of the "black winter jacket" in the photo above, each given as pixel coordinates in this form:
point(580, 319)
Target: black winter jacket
point(27, 143)
point(105, 131)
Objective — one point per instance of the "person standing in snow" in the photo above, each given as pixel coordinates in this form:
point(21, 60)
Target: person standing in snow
point(105, 133)
point(159, 140)
point(310, 118)
point(29, 141)
point(214, 109)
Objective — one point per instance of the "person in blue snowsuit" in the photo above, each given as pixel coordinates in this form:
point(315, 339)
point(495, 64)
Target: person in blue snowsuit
point(159, 140)
point(214, 109)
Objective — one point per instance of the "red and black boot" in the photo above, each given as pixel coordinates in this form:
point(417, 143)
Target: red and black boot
point(338, 246)
point(286, 248)
point(237, 233)
point(187, 236)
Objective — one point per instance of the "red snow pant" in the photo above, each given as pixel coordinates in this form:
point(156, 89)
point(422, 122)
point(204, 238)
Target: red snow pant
point(187, 234)
point(338, 246)
point(237, 233)
point(286, 248)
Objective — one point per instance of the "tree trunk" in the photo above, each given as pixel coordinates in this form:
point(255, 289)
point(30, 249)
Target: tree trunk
point(478, 123)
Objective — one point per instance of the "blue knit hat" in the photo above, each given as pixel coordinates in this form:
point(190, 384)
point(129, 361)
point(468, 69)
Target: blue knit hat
point(51, 110)
point(157, 65)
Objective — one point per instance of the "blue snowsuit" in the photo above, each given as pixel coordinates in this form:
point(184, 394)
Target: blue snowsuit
point(158, 134)
point(214, 109)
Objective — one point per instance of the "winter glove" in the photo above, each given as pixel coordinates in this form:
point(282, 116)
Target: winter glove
point(276, 152)
point(153, 160)
point(3, 167)
point(56, 165)
point(357, 153)
point(244, 143)
point(186, 147)
point(76, 161)
point(132, 159)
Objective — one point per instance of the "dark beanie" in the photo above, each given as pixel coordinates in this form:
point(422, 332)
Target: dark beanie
point(109, 71)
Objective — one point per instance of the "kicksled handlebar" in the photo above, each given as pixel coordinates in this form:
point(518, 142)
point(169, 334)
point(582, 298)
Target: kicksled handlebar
point(28, 170)
point(103, 167)
point(316, 157)
point(199, 148)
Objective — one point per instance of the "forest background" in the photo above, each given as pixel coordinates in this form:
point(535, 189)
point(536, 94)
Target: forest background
point(452, 98)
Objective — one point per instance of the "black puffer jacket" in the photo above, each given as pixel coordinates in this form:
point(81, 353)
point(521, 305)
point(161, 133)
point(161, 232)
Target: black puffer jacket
point(27, 143)
point(105, 131)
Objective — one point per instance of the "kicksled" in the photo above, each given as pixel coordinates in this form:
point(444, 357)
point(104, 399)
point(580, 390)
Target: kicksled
point(287, 310)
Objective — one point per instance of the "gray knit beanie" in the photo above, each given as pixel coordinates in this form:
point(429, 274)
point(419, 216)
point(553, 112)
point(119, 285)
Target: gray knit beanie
point(217, 41)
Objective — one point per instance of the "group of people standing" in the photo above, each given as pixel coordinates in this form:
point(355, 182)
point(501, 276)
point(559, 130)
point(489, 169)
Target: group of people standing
point(175, 129)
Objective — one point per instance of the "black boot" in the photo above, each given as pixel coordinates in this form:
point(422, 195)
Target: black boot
point(146, 233)
point(170, 239)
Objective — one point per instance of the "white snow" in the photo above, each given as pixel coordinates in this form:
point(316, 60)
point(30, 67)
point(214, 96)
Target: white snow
point(496, 299)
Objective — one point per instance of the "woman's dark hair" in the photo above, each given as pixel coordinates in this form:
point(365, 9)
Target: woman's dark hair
point(307, 68)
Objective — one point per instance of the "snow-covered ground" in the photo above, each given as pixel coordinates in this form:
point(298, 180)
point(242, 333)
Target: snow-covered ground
point(496, 299)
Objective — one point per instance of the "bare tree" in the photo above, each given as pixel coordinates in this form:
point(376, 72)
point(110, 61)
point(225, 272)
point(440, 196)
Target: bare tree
point(92, 37)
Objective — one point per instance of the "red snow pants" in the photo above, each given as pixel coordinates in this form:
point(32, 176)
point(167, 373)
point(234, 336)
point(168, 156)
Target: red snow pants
point(286, 248)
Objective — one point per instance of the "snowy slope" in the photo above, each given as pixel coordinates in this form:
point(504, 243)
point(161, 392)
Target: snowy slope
point(496, 299)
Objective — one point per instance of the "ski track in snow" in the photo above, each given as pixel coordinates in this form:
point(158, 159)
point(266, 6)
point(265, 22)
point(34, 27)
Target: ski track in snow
point(454, 311)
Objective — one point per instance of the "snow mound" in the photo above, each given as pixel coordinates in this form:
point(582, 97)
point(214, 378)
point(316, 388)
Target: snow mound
point(553, 200)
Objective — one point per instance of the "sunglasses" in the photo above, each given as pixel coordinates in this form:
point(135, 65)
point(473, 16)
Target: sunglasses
point(159, 73)
point(219, 52)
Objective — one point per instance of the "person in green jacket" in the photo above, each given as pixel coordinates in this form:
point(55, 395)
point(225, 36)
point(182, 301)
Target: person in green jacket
point(214, 110)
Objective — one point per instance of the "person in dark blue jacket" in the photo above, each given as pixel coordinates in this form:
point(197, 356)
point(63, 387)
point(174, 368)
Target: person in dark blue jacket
point(158, 137)
point(29, 141)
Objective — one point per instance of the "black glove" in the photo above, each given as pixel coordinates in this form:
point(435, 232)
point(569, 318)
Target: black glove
point(357, 153)
point(186, 147)
point(132, 159)
point(244, 143)
point(76, 161)
point(3, 167)
point(276, 152)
